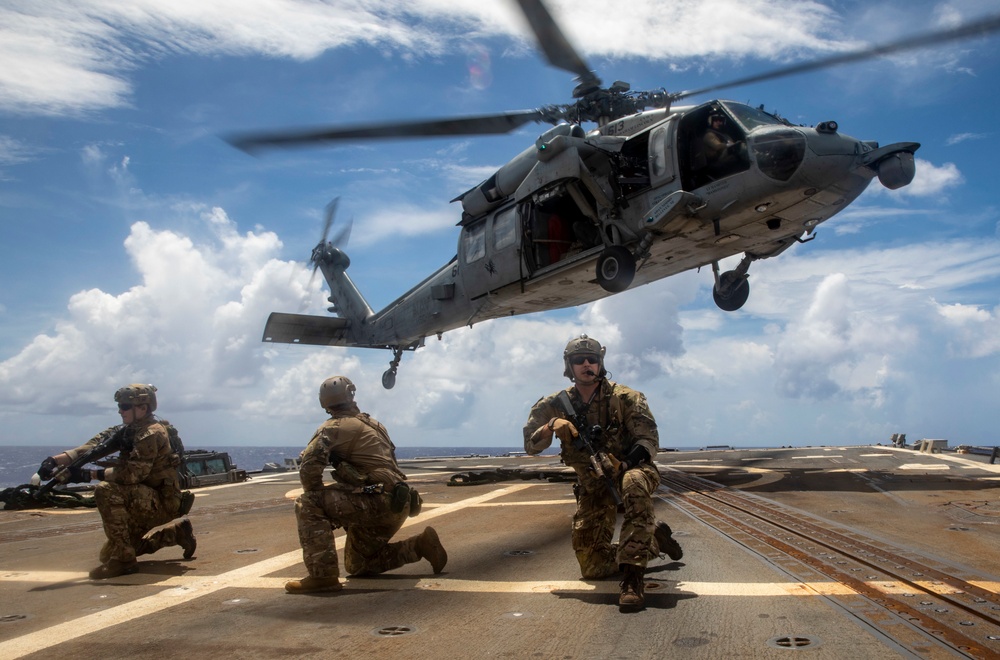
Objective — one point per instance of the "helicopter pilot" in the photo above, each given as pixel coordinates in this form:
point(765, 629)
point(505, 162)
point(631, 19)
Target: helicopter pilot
point(714, 151)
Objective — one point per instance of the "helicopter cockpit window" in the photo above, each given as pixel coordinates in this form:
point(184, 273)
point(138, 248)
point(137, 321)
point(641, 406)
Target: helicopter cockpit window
point(504, 230)
point(779, 153)
point(713, 147)
point(474, 242)
point(750, 117)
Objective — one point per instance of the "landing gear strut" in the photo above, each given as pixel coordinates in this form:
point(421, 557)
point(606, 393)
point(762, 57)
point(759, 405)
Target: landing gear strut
point(389, 376)
point(732, 287)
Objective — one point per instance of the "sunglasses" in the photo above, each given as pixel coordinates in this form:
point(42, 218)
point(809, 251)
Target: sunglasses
point(580, 359)
point(125, 407)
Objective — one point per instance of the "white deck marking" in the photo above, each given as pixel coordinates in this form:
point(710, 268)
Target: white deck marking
point(247, 576)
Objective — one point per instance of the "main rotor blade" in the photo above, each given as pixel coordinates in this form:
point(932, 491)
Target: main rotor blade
point(557, 48)
point(474, 125)
point(978, 28)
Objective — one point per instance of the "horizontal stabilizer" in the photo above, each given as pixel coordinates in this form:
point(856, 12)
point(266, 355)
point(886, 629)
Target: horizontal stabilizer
point(305, 329)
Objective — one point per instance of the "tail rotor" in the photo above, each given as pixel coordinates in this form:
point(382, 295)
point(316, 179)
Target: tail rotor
point(325, 248)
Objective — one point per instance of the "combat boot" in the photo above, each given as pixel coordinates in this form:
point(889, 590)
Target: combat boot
point(633, 596)
point(113, 568)
point(186, 539)
point(666, 542)
point(311, 585)
point(429, 547)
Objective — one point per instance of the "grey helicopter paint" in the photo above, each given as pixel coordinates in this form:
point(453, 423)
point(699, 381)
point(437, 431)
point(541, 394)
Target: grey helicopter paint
point(581, 215)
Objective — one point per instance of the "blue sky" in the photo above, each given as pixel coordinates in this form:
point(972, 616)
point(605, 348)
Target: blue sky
point(139, 246)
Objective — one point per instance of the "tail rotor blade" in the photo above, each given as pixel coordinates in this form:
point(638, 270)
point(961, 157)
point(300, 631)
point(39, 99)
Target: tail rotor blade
point(331, 210)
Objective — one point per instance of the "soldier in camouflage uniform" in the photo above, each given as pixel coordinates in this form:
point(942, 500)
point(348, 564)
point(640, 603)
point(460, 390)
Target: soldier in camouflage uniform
point(140, 492)
point(369, 498)
point(629, 441)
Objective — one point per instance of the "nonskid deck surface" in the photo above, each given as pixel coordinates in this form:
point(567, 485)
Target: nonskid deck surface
point(861, 552)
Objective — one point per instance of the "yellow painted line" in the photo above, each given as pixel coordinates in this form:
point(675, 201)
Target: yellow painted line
point(246, 576)
point(186, 588)
point(988, 586)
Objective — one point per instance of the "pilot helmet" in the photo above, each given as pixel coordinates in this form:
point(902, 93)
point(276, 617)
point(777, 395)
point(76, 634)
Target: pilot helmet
point(137, 394)
point(583, 345)
point(715, 114)
point(336, 391)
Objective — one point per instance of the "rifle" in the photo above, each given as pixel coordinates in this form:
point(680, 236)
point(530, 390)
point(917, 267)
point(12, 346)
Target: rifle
point(584, 442)
point(109, 444)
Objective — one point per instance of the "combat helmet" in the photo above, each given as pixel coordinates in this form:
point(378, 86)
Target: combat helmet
point(583, 345)
point(137, 394)
point(336, 391)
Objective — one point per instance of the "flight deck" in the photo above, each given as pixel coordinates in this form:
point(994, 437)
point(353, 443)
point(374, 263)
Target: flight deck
point(834, 552)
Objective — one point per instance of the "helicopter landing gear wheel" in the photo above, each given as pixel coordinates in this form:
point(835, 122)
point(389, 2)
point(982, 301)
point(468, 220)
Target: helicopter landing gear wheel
point(732, 291)
point(615, 268)
point(389, 379)
point(389, 375)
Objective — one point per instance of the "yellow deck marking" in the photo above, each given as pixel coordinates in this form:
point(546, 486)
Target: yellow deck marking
point(186, 588)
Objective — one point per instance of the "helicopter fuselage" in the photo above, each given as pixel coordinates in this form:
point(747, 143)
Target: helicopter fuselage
point(579, 216)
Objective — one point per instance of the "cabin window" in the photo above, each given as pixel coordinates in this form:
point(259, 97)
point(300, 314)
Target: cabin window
point(658, 153)
point(779, 153)
point(504, 229)
point(474, 242)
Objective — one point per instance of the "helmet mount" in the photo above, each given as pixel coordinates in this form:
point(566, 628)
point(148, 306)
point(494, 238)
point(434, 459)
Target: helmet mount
point(137, 394)
point(336, 391)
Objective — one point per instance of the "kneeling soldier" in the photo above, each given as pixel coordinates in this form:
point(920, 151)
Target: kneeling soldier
point(370, 498)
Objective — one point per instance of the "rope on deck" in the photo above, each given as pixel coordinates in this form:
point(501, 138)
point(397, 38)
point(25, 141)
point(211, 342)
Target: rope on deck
point(504, 474)
point(25, 496)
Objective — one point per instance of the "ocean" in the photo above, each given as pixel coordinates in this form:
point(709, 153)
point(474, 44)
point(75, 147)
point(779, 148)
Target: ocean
point(17, 464)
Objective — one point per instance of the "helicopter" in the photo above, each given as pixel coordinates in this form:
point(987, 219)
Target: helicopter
point(654, 190)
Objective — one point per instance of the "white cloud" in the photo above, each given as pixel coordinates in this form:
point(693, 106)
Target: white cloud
point(58, 58)
point(828, 344)
point(402, 220)
point(835, 348)
point(965, 137)
point(14, 151)
point(931, 180)
point(192, 323)
point(974, 331)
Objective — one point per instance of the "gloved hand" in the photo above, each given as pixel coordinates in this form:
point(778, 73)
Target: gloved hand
point(47, 468)
point(563, 429)
point(612, 466)
point(78, 475)
point(637, 455)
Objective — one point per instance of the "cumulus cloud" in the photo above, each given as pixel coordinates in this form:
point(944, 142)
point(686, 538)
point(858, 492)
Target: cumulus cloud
point(192, 323)
point(833, 348)
point(975, 332)
point(932, 180)
point(827, 343)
